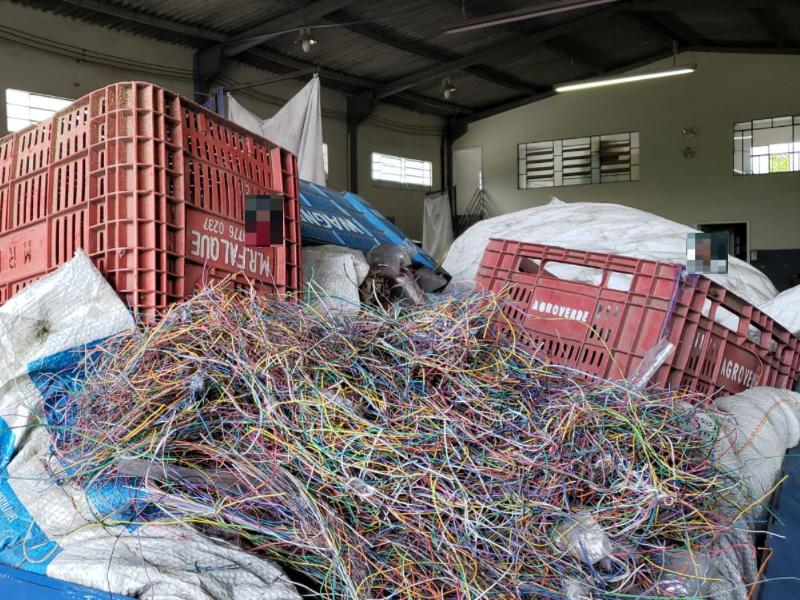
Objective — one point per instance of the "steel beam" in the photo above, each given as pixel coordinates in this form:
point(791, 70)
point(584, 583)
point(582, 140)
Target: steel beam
point(494, 52)
point(297, 18)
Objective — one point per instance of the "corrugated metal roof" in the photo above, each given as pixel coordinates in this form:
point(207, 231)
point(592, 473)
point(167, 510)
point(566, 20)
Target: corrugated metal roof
point(379, 42)
point(347, 51)
point(113, 20)
point(228, 16)
point(607, 47)
point(548, 68)
point(737, 27)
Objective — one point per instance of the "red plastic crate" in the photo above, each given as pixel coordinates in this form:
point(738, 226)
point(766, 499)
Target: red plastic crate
point(151, 186)
point(605, 327)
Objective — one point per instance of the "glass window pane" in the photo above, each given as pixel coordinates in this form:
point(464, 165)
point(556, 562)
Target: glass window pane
point(738, 166)
point(773, 135)
point(746, 162)
point(48, 103)
point(38, 114)
point(18, 112)
point(576, 142)
point(17, 97)
point(762, 123)
point(24, 108)
point(779, 148)
point(781, 121)
point(540, 183)
point(779, 163)
point(743, 125)
point(17, 124)
point(616, 137)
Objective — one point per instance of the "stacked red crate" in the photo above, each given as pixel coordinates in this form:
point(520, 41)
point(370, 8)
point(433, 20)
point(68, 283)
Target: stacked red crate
point(605, 326)
point(151, 187)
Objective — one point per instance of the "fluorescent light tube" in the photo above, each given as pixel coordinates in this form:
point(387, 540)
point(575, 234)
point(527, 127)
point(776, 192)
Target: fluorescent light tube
point(615, 80)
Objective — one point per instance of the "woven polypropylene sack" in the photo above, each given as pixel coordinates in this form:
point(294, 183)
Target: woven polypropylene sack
point(333, 275)
point(50, 528)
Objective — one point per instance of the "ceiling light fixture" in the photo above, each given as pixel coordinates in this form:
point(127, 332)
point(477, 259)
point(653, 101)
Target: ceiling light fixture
point(552, 8)
point(448, 89)
point(306, 39)
point(617, 79)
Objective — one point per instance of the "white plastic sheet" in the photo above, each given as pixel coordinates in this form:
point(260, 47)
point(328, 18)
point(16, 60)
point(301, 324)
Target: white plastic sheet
point(51, 528)
point(597, 227)
point(785, 308)
point(437, 225)
point(297, 127)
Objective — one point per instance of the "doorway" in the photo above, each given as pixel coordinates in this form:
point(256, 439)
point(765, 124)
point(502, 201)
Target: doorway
point(737, 237)
point(467, 176)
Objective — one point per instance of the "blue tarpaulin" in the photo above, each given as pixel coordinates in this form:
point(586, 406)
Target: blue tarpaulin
point(346, 219)
point(15, 583)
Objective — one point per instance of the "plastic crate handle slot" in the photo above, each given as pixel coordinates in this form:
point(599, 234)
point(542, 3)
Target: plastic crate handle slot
point(539, 252)
point(614, 280)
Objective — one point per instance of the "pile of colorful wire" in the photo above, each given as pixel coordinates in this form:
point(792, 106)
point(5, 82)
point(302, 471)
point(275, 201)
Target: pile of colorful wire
point(409, 455)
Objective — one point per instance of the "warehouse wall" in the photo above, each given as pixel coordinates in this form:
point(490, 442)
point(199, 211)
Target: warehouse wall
point(48, 54)
point(378, 134)
point(725, 89)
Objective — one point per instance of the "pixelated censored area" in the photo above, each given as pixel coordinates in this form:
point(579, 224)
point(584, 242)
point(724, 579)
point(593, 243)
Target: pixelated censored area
point(263, 221)
point(707, 253)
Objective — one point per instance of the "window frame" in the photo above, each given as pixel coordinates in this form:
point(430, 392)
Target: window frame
point(63, 102)
point(794, 125)
point(594, 156)
point(400, 184)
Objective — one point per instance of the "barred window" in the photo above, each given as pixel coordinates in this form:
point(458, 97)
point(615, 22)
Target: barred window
point(575, 161)
point(405, 171)
point(766, 146)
